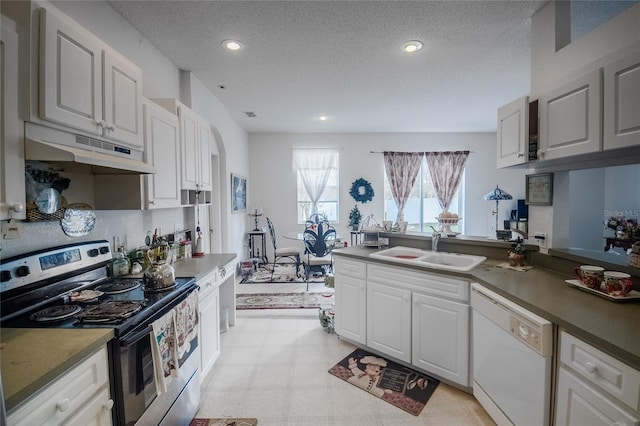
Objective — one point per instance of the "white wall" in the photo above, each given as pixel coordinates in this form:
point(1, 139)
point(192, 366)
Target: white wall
point(272, 184)
point(161, 79)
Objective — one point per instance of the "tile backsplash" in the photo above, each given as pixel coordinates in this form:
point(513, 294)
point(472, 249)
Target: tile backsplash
point(132, 225)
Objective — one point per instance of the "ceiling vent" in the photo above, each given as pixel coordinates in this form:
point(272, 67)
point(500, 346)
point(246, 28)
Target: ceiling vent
point(250, 114)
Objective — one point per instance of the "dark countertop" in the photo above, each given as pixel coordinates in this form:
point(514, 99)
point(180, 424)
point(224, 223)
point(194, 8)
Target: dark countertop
point(32, 358)
point(610, 326)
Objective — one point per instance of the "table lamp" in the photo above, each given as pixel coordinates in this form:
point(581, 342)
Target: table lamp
point(496, 195)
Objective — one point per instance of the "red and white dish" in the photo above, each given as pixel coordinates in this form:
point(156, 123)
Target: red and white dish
point(84, 295)
point(631, 296)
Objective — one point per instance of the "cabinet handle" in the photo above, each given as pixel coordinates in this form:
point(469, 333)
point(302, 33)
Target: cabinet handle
point(590, 367)
point(540, 153)
point(152, 202)
point(520, 155)
point(63, 405)
point(111, 127)
point(108, 405)
point(16, 207)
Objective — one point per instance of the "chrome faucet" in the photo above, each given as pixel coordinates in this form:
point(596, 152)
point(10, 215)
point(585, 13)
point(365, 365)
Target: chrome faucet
point(435, 238)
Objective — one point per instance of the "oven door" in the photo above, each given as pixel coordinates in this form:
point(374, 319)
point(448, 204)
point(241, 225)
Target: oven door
point(140, 399)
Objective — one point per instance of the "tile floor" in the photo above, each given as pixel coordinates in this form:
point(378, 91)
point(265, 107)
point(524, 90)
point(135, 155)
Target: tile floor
point(273, 367)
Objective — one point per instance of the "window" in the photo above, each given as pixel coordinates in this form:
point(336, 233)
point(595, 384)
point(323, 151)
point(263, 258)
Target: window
point(422, 207)
point(317, 182)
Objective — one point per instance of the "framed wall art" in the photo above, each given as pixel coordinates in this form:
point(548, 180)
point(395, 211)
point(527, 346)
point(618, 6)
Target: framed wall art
point(539, 189)
point(238, 193)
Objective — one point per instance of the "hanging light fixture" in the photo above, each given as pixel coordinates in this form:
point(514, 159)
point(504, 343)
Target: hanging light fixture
point(496, 195)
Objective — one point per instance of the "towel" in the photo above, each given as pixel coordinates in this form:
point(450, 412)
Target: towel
point(186, 321)
point(163, 351)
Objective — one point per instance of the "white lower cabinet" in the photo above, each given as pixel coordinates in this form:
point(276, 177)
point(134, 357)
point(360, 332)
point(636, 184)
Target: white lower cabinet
point(440, 331)
point(389, 320)
point(416, 317)
point(351, 298)
point(79, 397)
point(594, 388)
point(209, 307)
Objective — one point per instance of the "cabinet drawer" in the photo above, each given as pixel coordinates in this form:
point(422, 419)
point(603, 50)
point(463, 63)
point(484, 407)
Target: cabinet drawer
point(208, 283)
point(432, 284)
point(601, 370)
point(66, 394)
point(350, 267)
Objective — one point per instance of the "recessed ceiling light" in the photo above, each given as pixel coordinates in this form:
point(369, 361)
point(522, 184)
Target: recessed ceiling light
point(411, 46)
point(232, 45)
point(323, 118)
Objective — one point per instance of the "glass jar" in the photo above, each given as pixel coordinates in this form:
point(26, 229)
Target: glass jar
point(120, 265)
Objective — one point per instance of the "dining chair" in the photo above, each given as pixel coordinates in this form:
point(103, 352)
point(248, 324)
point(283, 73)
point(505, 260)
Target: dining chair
point(292, 253)
point(315, 219)
point(318, 245)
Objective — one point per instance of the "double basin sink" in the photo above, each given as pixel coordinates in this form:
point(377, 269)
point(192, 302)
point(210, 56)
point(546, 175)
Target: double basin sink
point(430, 259)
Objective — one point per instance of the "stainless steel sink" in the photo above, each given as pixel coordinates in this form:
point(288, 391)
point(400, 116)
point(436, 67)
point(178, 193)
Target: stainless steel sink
point(451, 261)
point(436, 260)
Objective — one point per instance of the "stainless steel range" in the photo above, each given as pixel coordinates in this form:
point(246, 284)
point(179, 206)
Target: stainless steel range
point(69, 287)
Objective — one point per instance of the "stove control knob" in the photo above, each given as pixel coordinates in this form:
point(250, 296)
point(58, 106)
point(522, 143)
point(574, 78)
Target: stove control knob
point(93, 252)
point(5, 276)
point(22, 271)
point(104, 250)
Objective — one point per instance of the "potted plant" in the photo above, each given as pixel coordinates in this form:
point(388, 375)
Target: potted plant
point(354, 218)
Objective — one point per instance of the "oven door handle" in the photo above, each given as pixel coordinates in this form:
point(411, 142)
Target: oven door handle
point(134, 338)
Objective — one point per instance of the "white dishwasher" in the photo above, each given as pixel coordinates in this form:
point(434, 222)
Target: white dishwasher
point(512, 360)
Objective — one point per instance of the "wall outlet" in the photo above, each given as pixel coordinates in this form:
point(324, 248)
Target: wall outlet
point(541, 238)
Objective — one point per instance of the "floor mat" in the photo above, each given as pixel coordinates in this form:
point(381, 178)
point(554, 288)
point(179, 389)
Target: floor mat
point(224, 422)
point(398, 385)
point(282, 274)
point(283, 300)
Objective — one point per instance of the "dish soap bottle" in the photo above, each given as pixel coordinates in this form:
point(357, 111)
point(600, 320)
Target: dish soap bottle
point(120, 264)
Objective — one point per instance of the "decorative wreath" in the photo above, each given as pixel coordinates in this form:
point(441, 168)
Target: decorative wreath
point(361, 191)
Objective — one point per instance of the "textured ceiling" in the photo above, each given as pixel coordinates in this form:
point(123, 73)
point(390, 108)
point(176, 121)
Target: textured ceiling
point(342, 59)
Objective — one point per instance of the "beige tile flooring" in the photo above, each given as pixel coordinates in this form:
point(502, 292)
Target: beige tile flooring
point(273, 367)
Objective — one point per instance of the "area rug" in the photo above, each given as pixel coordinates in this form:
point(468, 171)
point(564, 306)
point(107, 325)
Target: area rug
point(224, 422)
point(283, 300)
point(398, 385)
point(282, 274)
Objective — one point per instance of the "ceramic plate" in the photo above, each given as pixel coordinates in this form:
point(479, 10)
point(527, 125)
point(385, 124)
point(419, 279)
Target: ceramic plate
point(79, 219)
point(632, 295)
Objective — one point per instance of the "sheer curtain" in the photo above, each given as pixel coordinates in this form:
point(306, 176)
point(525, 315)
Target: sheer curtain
point(402, 169)
point(314, 167)
point(446, 170)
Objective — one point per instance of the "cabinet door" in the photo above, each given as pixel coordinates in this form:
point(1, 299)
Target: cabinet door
point(162, 151)
point(440, 337)
point(209, 331)
point(622, 103)
point(580, 405)
point(122, 100)
point(189, 130)
point(389, 320)
point(351, 308)
point(570, 118)
point(70, 75)
point(205, 141)
point(12, 192)
point(513, 133)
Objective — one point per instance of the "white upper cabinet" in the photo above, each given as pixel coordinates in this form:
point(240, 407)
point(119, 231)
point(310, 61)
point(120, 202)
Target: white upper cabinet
point(86, 85)
point(162, 152)
point(570, 118)
point(195, 152)
point(622, 103)
point(513, 133)
point(12, 192)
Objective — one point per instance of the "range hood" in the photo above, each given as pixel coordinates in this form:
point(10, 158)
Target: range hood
point(53, 146)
